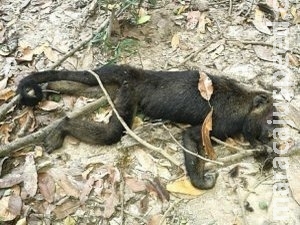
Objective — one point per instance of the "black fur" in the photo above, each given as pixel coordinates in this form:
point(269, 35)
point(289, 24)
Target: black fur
point(164, 95)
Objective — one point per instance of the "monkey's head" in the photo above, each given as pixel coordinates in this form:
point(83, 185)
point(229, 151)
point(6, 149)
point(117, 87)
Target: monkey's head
point(258, 125)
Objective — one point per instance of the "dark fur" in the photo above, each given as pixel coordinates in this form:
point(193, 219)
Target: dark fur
point(164, 95)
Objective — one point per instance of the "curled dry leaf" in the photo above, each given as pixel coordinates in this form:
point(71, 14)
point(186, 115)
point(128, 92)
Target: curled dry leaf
point(49, 105)
point(260, 23)
point(205, 86)
point(184, 186)
point(205, 130)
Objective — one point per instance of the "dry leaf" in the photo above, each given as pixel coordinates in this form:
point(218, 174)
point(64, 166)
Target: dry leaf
point(24, 54)
point(260, 23)
point(293, 173)
point(49, 105)
point(10, 207)
point(205, 131)
point(175, 41)
point(67, 208)
point(202, 22)
point(87, 188)
point(156, 220)
point(30, 176)
point(5, 130)
point(192, 19)
point(293, 59)
point(10, 180)
point(6, 93)
point(205, 86)
point(87, 60)
point(46, 186)
point(135, 185)
point(51, 54)
point(264, 53)
point(3, 83)
point(184, 186)
point(67, 183)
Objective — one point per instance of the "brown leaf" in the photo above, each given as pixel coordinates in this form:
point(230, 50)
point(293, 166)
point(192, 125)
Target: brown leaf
point(156, 220)
point(6, 94)
point(46, 186)
point(30, 176)
point(10, 180)
point(205, 130)
point(10, 207)
point(67, 183)
point(135, 185)
point(67, 208)
point(5, 130)
point(293, 59)
point(205, 86)
point(87, 188)
point(24, 54)
point(184, 186)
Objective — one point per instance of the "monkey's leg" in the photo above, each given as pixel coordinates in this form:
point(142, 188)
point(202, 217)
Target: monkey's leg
point(196, 167)
point(97, 133)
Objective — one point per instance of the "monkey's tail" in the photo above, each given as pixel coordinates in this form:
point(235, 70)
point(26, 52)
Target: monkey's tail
point(108, 74)
point(31, 83)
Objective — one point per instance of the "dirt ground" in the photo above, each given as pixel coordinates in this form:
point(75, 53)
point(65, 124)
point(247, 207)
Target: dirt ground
point(126, 183)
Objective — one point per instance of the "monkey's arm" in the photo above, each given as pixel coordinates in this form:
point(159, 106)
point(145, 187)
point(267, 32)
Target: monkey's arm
point(196, 167)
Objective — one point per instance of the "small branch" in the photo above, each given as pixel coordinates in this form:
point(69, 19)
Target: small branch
point(230, 8)
point(162, 219)
point(195, 53)
point(237, 149)
point(38, 136)
point(128, 130)
point(188, 151)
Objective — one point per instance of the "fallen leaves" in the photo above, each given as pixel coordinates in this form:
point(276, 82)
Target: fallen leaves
point(205, 86)
point(184, 186)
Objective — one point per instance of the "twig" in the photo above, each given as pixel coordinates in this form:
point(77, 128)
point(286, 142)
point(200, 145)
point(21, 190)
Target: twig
point(38, 136)
point(255, 186)
point(195, 53)
point(227, 145)
point(188, 151)
point(128, 130)
point(250, 8)
point(162, 219)
point(241, 203)
point(228, 160)
point(230, 8)
point(122, 191)
point(8, 106)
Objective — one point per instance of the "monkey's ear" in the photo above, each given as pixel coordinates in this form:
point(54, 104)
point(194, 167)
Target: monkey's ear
point(260, 100)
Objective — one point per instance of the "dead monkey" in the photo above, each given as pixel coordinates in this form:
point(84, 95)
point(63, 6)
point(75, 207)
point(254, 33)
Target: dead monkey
point(166, 95)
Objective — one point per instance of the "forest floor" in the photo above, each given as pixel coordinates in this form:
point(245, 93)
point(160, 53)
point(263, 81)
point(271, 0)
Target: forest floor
point(127, 183)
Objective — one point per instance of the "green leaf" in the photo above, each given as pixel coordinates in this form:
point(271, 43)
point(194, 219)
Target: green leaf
point(143, 19)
